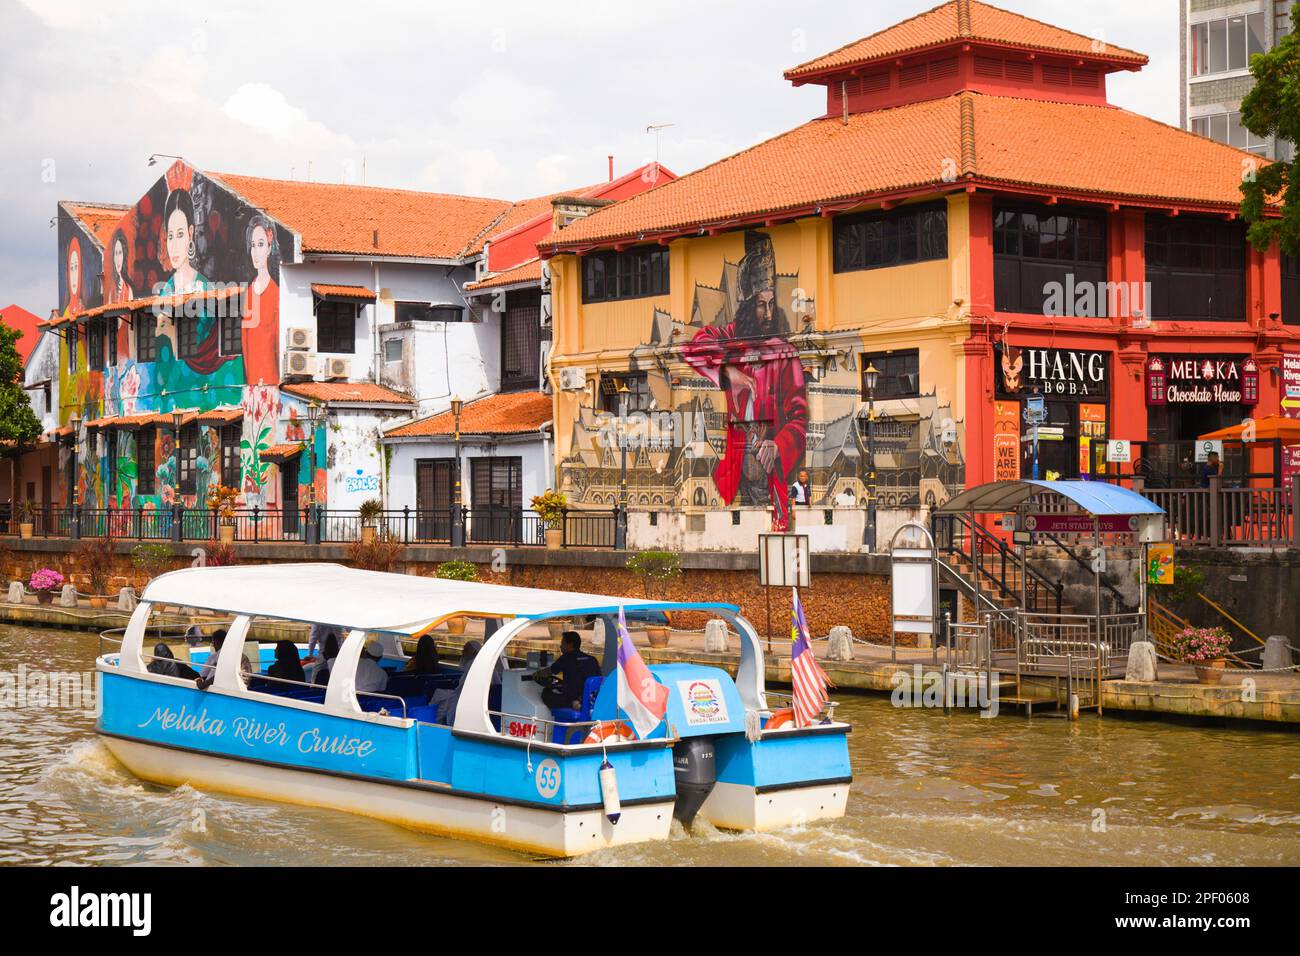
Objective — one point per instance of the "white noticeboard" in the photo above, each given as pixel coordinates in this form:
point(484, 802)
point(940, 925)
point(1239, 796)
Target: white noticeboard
point(783, 561)
point(1205, 446)
point(912, 577)
point(1118, 450)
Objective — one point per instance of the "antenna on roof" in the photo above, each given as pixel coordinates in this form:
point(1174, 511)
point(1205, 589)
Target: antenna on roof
point(363, 169)
point(309, 170)
point(655, 128)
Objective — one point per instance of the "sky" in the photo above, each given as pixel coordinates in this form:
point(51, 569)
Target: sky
point(499, 98)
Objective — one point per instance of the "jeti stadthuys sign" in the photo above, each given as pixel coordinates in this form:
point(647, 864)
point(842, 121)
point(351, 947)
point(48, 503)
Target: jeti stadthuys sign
point(1054, 373)
point(1202, 380)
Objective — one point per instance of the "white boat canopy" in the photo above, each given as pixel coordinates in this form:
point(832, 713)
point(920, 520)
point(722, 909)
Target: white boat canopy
point(371, 600)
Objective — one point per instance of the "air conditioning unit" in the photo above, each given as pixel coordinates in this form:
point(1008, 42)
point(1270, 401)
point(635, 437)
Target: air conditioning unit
point(543, 364)
point(301, 339)
point(338, 368)
point(300, 364)
point(546, 277)
point(573, 379)
point(545, 310)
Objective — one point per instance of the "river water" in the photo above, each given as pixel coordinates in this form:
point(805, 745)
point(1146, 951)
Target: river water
point(927, 790)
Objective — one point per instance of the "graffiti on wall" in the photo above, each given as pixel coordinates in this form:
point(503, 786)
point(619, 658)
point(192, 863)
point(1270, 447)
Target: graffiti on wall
point(743, 396)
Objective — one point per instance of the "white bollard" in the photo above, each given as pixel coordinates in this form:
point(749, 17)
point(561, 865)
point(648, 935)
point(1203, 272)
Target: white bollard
point(126, 599)
point(1276, 653)
point(16, 592)
point(68, 596)
point(840, 644)
point(715, 637)
point(1142, 662)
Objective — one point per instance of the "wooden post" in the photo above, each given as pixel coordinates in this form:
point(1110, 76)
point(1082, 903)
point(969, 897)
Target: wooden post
point(1216, 511)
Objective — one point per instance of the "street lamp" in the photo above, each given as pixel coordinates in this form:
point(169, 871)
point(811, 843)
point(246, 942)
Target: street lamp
point(870, 376)
point(313, 524)
point(74, 420)
point(178, 417)
point(457, 512)
point(620, 522)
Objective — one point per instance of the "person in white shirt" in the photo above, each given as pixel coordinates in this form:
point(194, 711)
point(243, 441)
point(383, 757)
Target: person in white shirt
point(801, 490)
point(370, 676)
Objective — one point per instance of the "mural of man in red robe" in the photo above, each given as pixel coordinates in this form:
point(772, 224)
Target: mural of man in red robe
point(758, 370)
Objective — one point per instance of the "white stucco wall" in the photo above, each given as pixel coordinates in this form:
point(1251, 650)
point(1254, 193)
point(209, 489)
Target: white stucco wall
point(537, 471)
point(442, 359)
point(43, 365)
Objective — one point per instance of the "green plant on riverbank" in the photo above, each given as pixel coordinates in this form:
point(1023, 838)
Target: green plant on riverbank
point(1189, 581)
point(95, 560)
point(550, 507)
point(381, 554)
point(655, 569)
point(152, 559)
point(456, 571)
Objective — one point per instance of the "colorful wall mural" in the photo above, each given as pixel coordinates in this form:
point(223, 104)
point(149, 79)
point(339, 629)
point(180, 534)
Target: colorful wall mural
point(197, 272)
point(745, 392)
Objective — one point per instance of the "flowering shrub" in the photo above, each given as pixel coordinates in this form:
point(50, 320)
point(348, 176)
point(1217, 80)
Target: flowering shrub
point(45, 579)
point(1196, 645)
point(550, 506)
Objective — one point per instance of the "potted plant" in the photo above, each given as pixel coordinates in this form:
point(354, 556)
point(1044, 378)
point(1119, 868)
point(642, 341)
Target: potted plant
point(95, 560)
point(27, 524)
point(369, 512)
point(655, 569)
point(378, 554)
point(456, 571)
point(45, 582)
point(222, 499)
point(550, 507)
point(1205, 648)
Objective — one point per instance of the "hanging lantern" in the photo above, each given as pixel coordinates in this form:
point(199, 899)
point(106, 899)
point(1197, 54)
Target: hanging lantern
point(1156, 381)
point(1249, 382)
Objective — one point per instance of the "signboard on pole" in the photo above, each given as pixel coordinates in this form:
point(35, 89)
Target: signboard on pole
point(1006, 441)
point(1118, 450)
point(1160, 563)
point(1081, 524)
point(783, 561)
point(1205, 446)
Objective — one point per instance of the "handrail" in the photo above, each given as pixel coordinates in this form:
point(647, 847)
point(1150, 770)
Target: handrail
point(981, 535)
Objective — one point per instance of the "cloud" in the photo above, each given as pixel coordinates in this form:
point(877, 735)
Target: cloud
point(266, 110)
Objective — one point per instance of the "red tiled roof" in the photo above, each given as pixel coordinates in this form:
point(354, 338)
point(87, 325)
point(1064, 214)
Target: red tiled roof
point(525, 210)
point(224, 415)
point(338, 218)
point(530, 271)
point(343, 291)
point(507, 413)
point(100, 219)
point(173, 301)
point(964, 21)
point(281, 453)
point(29, 324)
point(1067, 148)
point(361, 393)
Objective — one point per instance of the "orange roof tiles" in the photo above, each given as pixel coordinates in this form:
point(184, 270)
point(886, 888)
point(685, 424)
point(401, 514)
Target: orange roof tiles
point(361, 393)
point(281, 453)
point(28, 323)
point(964, 20)
point(370, 221)
point(506, 413)
point(528, 271)
point(100, 219)
point(343, 291)
point(173, 301)
point(1070, 148)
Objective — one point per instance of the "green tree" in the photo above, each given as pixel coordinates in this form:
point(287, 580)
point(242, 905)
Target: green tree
point(19, 425)
point(1272, 108)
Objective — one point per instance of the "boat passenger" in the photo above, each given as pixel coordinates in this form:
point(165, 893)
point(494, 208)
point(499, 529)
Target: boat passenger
point(318, 634)
point(209, 672)
point(329, 650)
point(164, 662)
point(425, 660)
point(568, 674)
point(444, 699)
point(287, 666)
point(371, 678)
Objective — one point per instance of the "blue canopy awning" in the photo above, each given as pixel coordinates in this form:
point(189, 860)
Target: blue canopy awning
point(1092, 497)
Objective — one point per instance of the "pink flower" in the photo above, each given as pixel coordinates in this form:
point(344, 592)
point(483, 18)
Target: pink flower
point(45, 579)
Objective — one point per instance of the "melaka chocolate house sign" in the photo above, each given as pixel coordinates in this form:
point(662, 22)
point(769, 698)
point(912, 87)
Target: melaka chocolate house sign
point(1202, 380)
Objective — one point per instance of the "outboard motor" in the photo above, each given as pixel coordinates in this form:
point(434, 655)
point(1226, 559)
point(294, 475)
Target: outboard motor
point(696, 771)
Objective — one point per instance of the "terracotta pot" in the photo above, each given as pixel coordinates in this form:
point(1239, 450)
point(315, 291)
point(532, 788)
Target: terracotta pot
point(227, 532)
point(368, 533)
point(554, 539)
point(26, 529)
point(44, 597)
point(658, 636)
point(455, 625)
point(1210, 672)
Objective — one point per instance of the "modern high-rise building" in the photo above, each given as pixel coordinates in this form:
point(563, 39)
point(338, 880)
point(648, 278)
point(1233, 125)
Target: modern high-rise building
point(1218, 39)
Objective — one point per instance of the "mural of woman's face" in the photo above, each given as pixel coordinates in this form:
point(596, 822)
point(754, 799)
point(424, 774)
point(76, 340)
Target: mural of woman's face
point(179, 234)
point(260, 249)
point(119, 258)
point(74, 272)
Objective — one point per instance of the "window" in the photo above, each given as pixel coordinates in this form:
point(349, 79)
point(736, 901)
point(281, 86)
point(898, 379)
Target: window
point(392, 350)
point(1226, 128)
point(187, 335)
point(632, 274)
point(48, 395)
point(1221, 45)
point(95, 344)
point(146, 459)
point(873, 240)
point(423, 312)
point(638, 392)
point(900, 374)
point(189, 458)
point(336, 327)
point(496, 483)
point(230, 436)
point(521, 335)
point(1196, 268)
point(1290, 292)
point(72, 348)
point(232, 334)
point(1040, 251)
point(110, 463)
point(146, 340)
point(110, 338)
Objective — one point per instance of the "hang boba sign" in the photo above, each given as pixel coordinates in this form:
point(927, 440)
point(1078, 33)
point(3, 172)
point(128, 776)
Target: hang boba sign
point(1202, 380)
point(1054, 373)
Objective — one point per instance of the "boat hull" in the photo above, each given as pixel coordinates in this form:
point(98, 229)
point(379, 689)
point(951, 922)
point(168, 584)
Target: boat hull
point(417, 806)
point(734, 806)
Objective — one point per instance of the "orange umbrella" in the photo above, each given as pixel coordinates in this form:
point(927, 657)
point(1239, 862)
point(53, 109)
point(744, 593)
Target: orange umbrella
point(1266, 429)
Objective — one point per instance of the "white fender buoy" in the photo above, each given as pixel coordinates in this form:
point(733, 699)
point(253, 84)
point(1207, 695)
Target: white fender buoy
point(609, 791)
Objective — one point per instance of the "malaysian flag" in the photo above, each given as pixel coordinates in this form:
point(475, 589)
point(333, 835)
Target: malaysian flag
point(640, 696)
point(806, 674)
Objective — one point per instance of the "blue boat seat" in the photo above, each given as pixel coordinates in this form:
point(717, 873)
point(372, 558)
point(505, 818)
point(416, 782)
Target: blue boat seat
point(567, 715)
